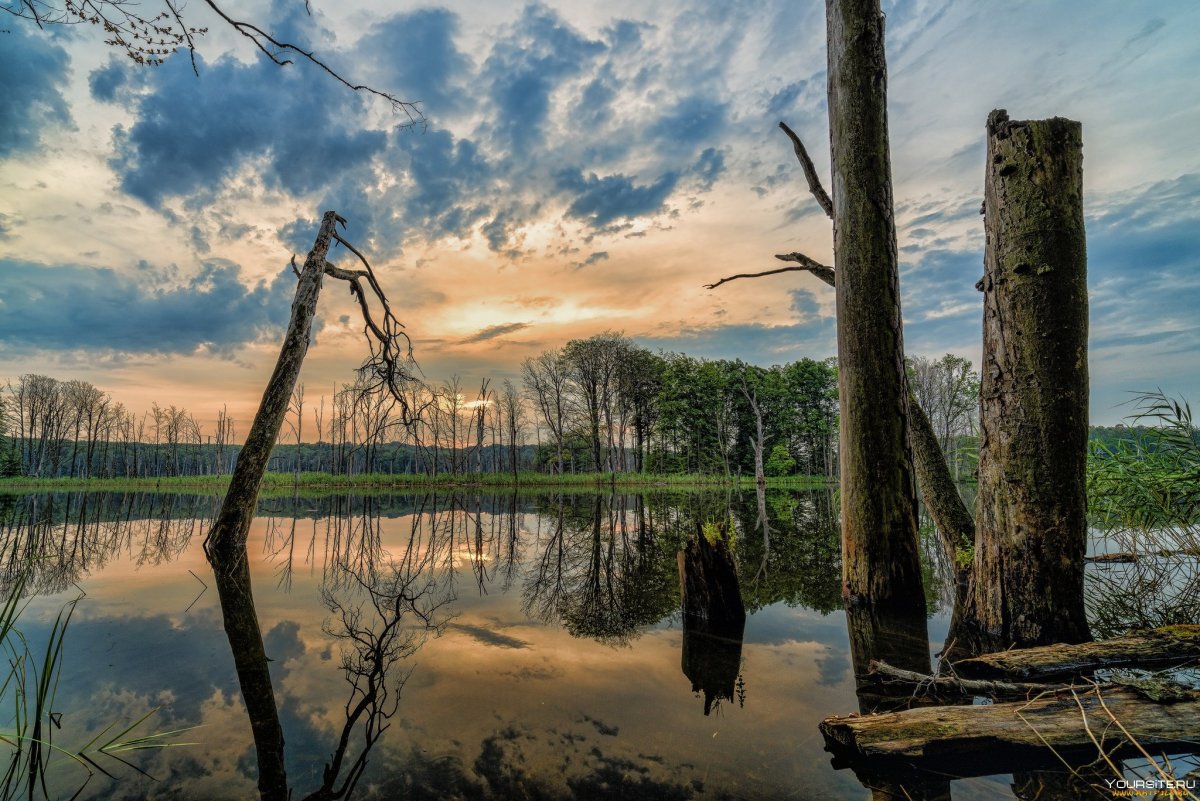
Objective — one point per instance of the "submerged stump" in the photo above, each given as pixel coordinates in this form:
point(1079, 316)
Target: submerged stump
point(714, 619)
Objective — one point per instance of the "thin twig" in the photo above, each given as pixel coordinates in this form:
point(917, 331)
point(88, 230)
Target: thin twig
point(261, 39)
point(187, 34)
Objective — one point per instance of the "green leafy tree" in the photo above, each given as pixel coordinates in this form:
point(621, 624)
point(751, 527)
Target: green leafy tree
point(780, 462)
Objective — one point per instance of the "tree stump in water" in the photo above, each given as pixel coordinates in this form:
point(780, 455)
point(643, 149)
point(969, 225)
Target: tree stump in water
point(1027, 577)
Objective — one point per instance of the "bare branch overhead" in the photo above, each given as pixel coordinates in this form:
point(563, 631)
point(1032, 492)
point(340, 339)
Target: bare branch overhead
point(147, 39)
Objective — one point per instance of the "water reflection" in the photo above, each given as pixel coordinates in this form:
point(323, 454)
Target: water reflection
point(714, 617)
point(55, 539)
point(560, 676)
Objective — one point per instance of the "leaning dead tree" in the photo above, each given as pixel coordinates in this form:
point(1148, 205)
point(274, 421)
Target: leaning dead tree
point(386, 370)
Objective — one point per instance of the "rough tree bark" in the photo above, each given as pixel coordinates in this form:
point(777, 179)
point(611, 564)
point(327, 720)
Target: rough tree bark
point(237, 510)
point(955, 526)
point(1027, 577)
point(880, 562)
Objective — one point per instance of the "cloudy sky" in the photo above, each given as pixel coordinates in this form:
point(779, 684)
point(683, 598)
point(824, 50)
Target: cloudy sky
point(586, 166)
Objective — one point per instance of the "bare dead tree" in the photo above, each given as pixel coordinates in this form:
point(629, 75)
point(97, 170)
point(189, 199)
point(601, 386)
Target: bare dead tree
point(148, 38)
point(386, 370)
point(954, 521)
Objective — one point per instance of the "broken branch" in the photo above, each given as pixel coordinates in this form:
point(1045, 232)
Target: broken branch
point(925, 682)
point(386, 368)
point(810, 171)
point(807, 265)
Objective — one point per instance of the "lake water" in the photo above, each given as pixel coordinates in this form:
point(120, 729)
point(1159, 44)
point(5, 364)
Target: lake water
point(544, 642)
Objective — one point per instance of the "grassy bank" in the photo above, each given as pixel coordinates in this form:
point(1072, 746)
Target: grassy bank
point(278, 483)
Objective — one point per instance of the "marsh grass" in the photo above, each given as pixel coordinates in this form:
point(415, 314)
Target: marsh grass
point(27, 695)
point(1150, 482)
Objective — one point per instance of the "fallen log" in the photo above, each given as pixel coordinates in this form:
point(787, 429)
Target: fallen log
point(1129, 557)
point(943, 684)
point(1167, 645)
point(982, 739)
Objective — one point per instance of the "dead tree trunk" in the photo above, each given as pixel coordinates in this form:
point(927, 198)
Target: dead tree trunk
point(752, 398)
point(880, 561)
point(1027, 578)
point(955, 526)
point(237, 510)
point(383, 371)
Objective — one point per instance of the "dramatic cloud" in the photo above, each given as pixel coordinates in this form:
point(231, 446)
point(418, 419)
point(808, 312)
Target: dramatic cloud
point(34, 67)
point(601, 201)
point(493, 331)
point(417, 58)
point(190, 135)
point(84, 308)
point(538, 53)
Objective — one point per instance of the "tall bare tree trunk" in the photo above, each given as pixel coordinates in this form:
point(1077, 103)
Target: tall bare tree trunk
point(752, 397)
point(880, 561)
point(1027, 579)
point(237, 510)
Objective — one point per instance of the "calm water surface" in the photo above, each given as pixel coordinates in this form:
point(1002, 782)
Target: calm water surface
point(549, 646)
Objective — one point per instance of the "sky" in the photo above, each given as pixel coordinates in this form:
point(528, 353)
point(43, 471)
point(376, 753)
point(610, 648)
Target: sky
point(584, 167)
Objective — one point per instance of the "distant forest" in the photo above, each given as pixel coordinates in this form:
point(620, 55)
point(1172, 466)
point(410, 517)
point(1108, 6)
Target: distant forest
point(601, 404)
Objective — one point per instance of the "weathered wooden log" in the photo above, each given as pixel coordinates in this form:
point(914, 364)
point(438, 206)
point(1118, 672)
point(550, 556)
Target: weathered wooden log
point(1129, 557)
point(1153, 648)
point(983, 739)
point(925, 684)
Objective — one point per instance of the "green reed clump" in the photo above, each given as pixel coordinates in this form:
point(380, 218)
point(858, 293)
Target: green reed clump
point(1150, 481)
point(28, 718)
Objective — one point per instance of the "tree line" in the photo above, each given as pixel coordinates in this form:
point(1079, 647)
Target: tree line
point(600, 404)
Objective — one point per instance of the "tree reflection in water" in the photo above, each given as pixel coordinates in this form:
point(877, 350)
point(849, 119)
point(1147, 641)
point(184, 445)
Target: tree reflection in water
point(55, 539)
point(601, 570)
point(714, 617)
point(382, 616)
